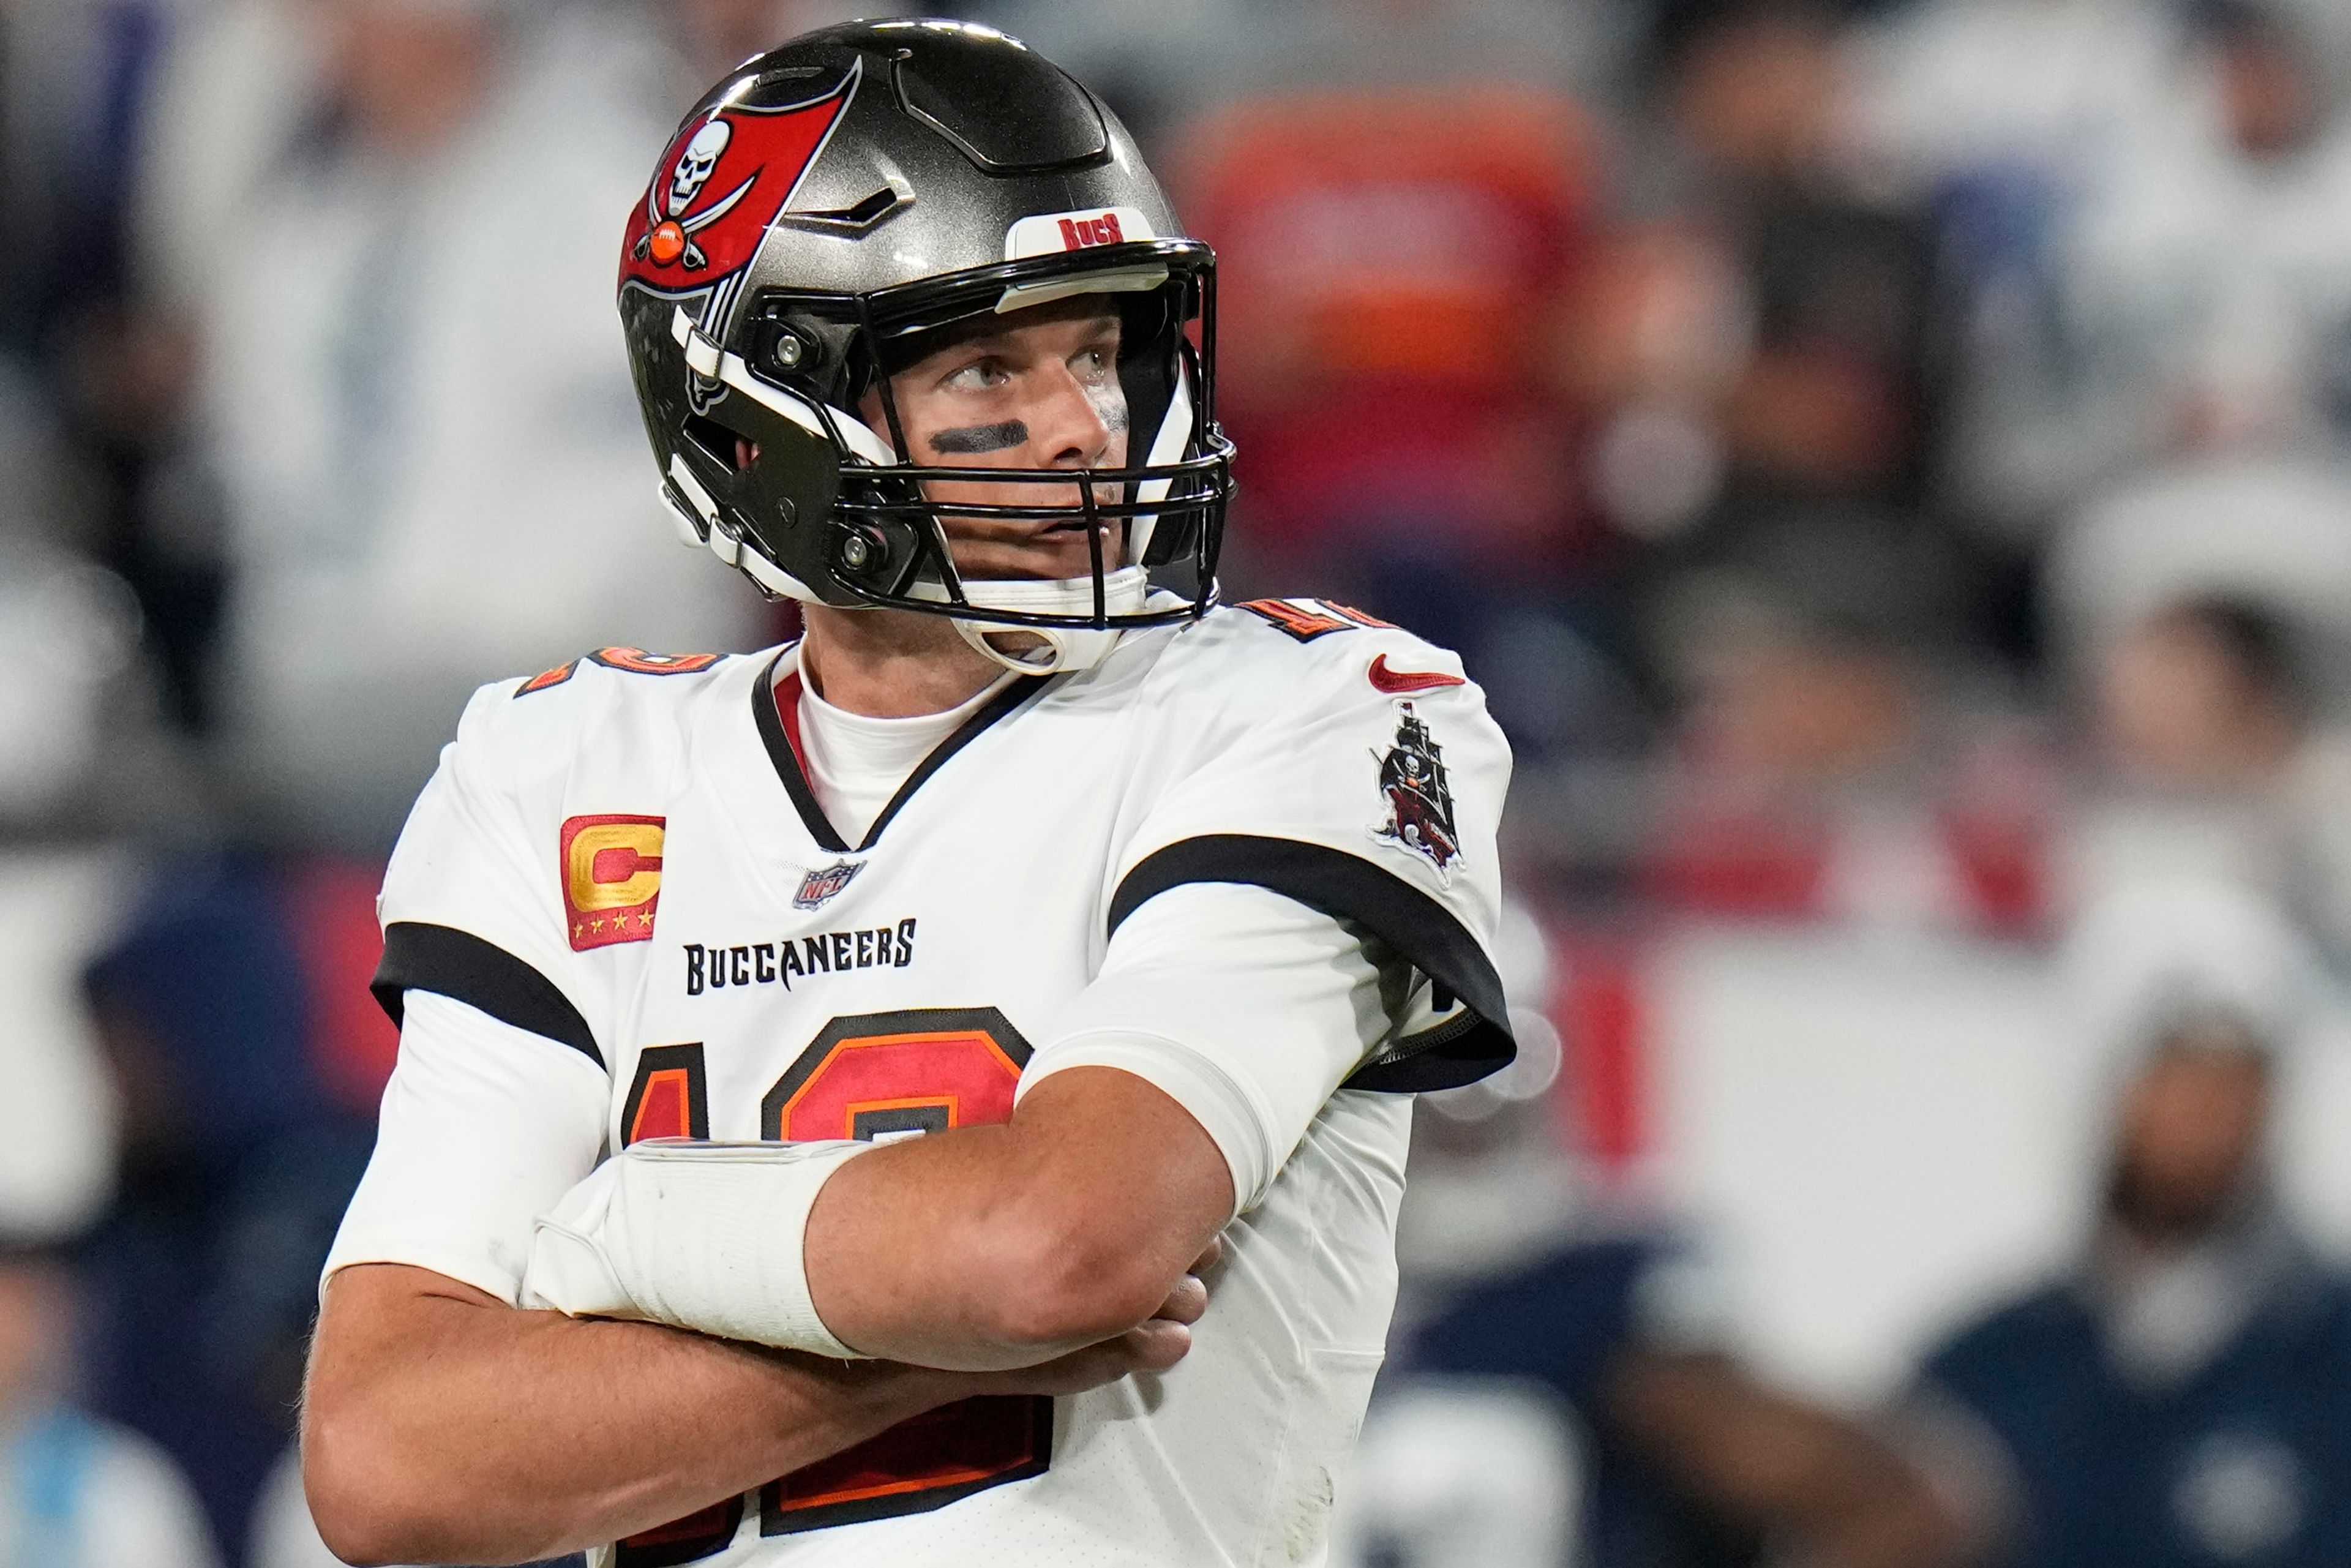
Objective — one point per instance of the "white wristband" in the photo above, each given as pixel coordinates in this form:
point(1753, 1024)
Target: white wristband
point(697, 1235)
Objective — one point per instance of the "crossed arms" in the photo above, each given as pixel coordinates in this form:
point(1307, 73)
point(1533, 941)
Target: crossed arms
point(1045, 1255)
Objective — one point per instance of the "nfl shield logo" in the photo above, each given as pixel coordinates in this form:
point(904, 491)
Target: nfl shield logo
point(818, 887)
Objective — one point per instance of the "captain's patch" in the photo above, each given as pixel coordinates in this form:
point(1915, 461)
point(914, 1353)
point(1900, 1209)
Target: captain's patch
point(612, 879)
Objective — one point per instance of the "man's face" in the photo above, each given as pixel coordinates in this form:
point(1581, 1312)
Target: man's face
point(1034, 389)
point(2190, 1134)
point(36, 1307)
point(2177, 709)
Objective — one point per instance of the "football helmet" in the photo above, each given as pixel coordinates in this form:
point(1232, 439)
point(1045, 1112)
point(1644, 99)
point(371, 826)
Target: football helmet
point(816, 217)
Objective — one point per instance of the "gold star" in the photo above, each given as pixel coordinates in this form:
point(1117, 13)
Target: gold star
point(579, 930)
point(646, 920)
point(596, 924)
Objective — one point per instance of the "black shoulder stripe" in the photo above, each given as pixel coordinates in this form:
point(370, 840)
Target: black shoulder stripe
point(1348, 887)
point(462, 967)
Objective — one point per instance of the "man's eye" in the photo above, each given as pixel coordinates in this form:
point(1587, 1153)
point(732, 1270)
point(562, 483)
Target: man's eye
point(1096, 364)
point(980, 375)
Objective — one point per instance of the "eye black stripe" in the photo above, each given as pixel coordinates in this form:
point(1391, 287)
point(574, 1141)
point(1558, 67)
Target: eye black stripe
point(973, 439)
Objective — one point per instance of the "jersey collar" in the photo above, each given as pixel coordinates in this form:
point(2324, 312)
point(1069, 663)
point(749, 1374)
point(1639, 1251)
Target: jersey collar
point(775, 709)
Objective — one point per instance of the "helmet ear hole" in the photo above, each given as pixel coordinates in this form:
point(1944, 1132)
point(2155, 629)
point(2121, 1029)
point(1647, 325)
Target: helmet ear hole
point(716, 443)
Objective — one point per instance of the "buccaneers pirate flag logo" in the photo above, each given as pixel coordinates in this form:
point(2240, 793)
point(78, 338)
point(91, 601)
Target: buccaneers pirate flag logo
point(1419, 798)
point(722, 182)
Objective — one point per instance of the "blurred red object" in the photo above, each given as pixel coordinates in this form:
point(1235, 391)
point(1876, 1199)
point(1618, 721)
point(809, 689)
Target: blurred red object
point(1404, 233)
point(1390, 267)
point(353, 1044)
point(1602, 1009)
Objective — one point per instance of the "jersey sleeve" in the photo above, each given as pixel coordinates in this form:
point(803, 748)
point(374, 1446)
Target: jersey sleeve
point(1247, 1008)
point(484, 1127)
point(1358, 775)
point(472, 903)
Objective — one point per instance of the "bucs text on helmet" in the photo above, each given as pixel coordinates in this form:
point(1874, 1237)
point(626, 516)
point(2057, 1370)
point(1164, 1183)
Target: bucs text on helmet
point(817, 218)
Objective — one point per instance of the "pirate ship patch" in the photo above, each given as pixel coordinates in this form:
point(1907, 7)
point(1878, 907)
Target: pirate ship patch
point(1420, 797)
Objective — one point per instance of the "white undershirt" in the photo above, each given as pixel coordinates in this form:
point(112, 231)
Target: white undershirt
point(856, 763)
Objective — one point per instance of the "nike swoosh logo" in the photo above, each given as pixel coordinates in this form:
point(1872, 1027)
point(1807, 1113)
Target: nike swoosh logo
point(1396, 683)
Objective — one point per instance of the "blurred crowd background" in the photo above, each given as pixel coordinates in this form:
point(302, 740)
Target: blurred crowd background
point(1888, 465)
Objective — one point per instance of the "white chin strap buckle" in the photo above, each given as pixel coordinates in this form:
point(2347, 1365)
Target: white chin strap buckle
point(1048, 650)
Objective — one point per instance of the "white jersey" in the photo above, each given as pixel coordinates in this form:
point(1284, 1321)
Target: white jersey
point(619, 913)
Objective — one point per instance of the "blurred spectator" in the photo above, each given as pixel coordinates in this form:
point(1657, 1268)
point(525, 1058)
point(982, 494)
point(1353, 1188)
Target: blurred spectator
point(69, 634)
point(1559, 1390)
point(2202, 615)
point(2179, 1397)
point(2269, 531)
point(71, 75)
point(76, 1491)
point(1767, 330)
point(2202, 695)
point(232, 1009)
point(1388, 264)
point(2215, 718)
point(2032, 96)
point(1688, 1458)
point(1831, 759)
point(2179, 291)
point(87, 749)
point(2196, 713)
point(1459, 1473)
point(432, 476)
point(1159, 63)
point(234, 85)
point(57, 1168)
point(1393, 265)
point(75, 85)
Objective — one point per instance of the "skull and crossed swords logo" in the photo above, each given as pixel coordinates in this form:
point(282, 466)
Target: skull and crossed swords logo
point(671, 237)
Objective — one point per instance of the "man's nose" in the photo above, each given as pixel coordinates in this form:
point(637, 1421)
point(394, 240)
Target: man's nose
point(1067, 428)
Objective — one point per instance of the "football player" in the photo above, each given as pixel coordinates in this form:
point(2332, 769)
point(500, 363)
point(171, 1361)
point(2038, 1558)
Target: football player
point(826, 1074)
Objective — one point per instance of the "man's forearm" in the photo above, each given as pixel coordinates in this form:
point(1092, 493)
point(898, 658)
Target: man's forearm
point(443, 1426)
point(1001, 1246)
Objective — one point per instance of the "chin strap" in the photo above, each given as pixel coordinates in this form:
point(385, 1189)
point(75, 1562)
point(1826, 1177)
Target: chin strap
point(1049, 650)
